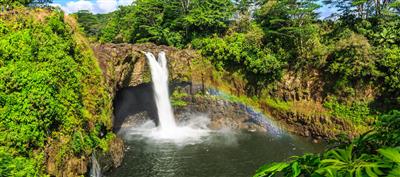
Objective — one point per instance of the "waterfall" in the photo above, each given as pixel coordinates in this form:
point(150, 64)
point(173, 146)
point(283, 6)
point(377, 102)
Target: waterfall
point(159, 75)
point(168, 130)
point(95, 170)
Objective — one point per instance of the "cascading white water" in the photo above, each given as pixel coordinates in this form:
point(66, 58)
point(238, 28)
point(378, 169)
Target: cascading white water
point(95, 170)
point(159, 75)
point(168, 131)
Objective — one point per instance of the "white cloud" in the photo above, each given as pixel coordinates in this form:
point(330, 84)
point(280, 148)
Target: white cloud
point(106, 6)
point(56, 5)
point(124, 2)
point(72, 6)
point(99, 6)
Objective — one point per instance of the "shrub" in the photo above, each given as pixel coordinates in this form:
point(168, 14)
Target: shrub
point(357, 112)
point(48, 90)
point(375, 153)
point(239, 54)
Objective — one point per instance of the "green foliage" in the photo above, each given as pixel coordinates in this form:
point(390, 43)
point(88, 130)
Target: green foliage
point(47, 92)
point(25, 2)
point(18, 166)
point(177, 98)
point(352, 62)
point(389, 65)
point(373, 154)
point(357, 112)
point(237, 52)
point(278, 104)
point(364, 8)
point(271, 169)
point(240, 99)
point(342, 162)
point(207, 17)
point(167, 22)
point(92, 24)
point(290, 26)
point(355, 54)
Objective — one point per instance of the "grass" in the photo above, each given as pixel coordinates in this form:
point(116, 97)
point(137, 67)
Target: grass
point(279, 104)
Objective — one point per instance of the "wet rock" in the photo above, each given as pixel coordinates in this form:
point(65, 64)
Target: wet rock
point(75, 167)
point(307, 133)
point(113, 157)
point(222, 113)
point(133, 120)
point(66, 165)
point(316, 126)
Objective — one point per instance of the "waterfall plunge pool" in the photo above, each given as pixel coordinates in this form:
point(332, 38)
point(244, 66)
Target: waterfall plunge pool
point(219, 153)
point(191, 149)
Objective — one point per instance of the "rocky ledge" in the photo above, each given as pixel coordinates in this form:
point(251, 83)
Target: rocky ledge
point(222, 113)
point(124, 65)
point(319, 127)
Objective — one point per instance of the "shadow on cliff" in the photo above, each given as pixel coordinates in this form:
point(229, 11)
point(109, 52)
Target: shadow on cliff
point(133, 100)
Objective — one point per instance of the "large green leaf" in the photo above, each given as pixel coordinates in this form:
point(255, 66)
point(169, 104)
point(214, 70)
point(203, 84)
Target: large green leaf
point(271, 169)
point(391, 153)
point(395, 172)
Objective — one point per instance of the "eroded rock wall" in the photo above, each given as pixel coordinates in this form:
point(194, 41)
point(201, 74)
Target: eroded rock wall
point(125, 65)
point(314, 85)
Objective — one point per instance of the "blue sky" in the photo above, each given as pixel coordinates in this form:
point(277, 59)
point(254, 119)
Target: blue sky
point(106, 6)
point(95, 6)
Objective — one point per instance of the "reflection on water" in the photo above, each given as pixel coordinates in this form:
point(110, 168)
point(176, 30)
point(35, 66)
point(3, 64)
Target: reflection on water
point(220, 153)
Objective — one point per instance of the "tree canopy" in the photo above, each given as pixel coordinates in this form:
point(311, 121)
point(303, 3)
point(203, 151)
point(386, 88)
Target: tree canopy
point(357, 44)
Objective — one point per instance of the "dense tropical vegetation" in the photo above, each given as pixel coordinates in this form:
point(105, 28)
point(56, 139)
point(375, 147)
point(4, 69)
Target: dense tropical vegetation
point(355, 53)
point(375, 153)
point(263, 39)
point(47, 79)
point(51, 97)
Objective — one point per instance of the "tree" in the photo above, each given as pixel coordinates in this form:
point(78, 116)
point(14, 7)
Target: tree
point(352, 63)
point(174, 22)
point(364, 8)
point(290, 25)
point(243, 53)
point(88, 21)
point(388, 64)
point(207, 17)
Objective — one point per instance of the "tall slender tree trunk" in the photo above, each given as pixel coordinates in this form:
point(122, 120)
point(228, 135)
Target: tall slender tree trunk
point(378, 7)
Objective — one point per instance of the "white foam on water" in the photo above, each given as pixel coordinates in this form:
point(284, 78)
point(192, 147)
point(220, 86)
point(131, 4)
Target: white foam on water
point(168, 131)
point(193, 131)
point(190, 132)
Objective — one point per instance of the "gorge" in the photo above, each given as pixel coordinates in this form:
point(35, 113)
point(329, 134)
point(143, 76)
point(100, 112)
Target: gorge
point(192, 147)
point(238, 88)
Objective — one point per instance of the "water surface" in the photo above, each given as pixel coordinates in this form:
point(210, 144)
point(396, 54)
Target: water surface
point(221, 154)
